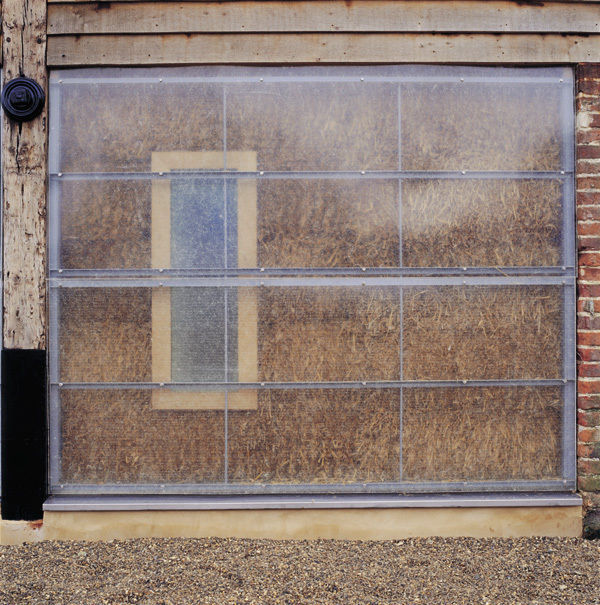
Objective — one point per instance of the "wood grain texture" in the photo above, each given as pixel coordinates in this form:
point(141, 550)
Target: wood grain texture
point(314, 3)
point(326, 16)
point(145, 49)
point(24, 182)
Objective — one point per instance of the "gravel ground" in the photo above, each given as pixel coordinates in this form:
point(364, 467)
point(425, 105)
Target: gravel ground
point(177, 571)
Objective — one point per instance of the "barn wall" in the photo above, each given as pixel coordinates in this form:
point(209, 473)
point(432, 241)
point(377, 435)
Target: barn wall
point(135, 33)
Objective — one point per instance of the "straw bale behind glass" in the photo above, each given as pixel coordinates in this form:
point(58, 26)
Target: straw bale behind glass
point(482, 434)
point(481, 222)
point(114, 436)
point(116, 127)
point(315, 126)
point(482, 332)
point(317, 436)
point(314, 334)
point(496, 126)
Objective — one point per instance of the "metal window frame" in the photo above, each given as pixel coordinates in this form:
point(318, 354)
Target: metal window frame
point(563, 276)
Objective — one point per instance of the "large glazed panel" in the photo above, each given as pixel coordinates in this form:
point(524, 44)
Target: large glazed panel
point(117, 436)
point(481, 332)
point(495, 126)
point(481, 434)
point(482, 222)
point(316, 436)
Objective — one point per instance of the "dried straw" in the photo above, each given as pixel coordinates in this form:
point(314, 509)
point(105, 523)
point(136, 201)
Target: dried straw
point(322, 334)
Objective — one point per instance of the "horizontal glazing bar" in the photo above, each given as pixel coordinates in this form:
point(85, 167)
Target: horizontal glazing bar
point(263, 272)
point(377, 384)
point(329, 174)
point(59, 79)
point(357, 488)
point(293, 501)
point(442, 280)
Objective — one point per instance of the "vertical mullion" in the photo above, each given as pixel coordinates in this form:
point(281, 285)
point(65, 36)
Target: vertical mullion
point(54, 198)
point(55, 437)
point(401, 297)
point(54, 262)
point(225, 294)
point(567, 159)
point(569, 428)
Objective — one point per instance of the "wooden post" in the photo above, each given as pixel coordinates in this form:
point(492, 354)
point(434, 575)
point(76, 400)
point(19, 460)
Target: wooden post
point(24, 182)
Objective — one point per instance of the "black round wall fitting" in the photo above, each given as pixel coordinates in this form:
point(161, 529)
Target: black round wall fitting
point(23, 99)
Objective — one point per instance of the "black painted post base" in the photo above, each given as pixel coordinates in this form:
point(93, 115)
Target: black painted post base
point(24, 434)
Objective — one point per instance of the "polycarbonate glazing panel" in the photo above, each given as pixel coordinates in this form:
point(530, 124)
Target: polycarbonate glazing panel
point(115, 127)
point(200, 349)
point(315, 125)
point(203, 211)
point(328, 223)
point(481, 222)
point(298, 223)
point(275, 334)
point(481, 434)
point(104, 224)
point(118, 436)
point(105, 335)
point(310, 334)
point(292, 333)
point(316, 436)
point(495, 126)
point(482, 332)
point(386, 135)
point(314, 223)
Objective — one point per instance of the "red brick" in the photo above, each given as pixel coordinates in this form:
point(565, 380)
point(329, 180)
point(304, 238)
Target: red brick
point(588, 243)
point(588, 166)
point(590, 87)
point(588, 213)
point(588, 450)
point(588, 402)
point(592, 228)
point(589, 259)
point(588, 386)
point(588, 152)
point(588, 467)
point(591, 500)
point(588, 370)
point(588, 435)
point(590, 483)
point(587, 354)
point(588, 102)
point(588, 198)
point(588, 182)
point(588, 305)
point(587, 136)
point(589, 290)
point(588, 338)
point(587, 70)
point(589, 273)
point(588, 417)
point(588, 322)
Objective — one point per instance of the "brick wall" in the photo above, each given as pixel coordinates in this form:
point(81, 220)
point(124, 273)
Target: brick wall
point(588, 303)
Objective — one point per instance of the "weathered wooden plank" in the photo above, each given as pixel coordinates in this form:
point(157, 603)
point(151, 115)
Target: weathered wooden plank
point(24, 182)
point(538, 3)
point(330, 15)
point(145, 49)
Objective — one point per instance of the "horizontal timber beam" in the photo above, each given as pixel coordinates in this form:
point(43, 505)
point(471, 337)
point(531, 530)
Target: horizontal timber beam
point(326, 16)
point(146, 49)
